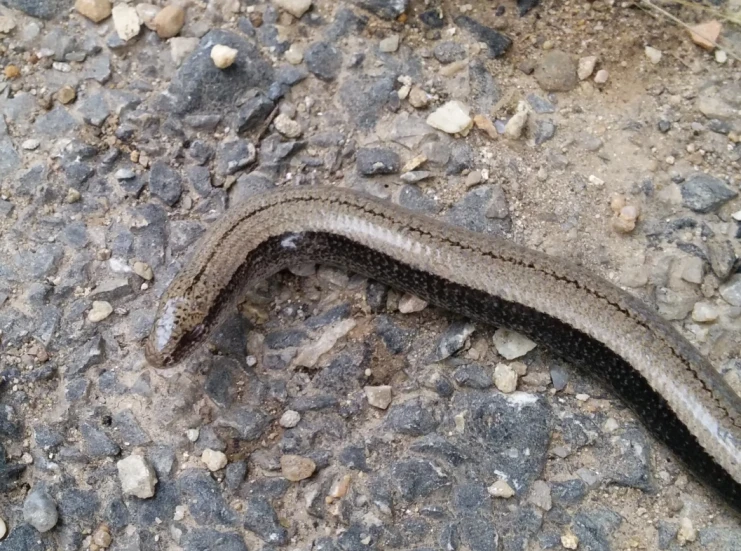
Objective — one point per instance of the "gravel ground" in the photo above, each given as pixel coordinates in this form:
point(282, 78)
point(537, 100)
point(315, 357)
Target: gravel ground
point(332, 413)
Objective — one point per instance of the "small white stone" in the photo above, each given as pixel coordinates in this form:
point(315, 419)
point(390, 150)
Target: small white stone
point(3, 529)
point(602, 76)
point(137, 477)
point(180, 511)
point(181, 47)
point(309, 356)
point(721, 56)
point(223, 56)
point(505, 378)
point(586, 67)
point(295, 54)
point(40, 511)
point(124, 174)
point(611, 425)
point(143, 270)
point(653, 55)
point(378, 396)
point(287, 126)
point(582, 397)
point(569, 541)
point(147, 13)
point(290, 419)
point(409, 304)
point(737, 216)
point(501, 489)
point(214, 459)
point(295, 7)
point(515, 125)
point(595, 180)
point(192, 434)
point(511, 345)
point(30, 144)
point(126, 21)
point(687, 533)
point(7, 24)
point(704, 312)
point(452, 117)
point(100, 311)
point(389, 44)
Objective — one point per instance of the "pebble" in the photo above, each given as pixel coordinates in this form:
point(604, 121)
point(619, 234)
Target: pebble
point(147, 13)
point(290, 419)
point(389, 44)
point(7, 24)
point(569, 541)
point(516, 124)
point(295, 54)
point(687, 532)
point(287, 126)
point(102, 537)
point(540, 495)
point(323, 60)
point(602, 76)
point(586, 67)
point(378, 396)
point(126, 21)
point(30, 144)
point(653, 55)
point(181, 47)
point(452, 117)
point(213, 459)
point(501, 489)
point(409, 304)
point(296, 467)
point(137, 476)
point(169, 21)
point(223, 56)
point(511, 345)
point(705, 34)
point(296, 8)
point(721, 56)
point(66, 95)
point(95, 10)
point(505, 378)
point(100, 311)
point(192, 434)
point(3, 529)
point(143, 270)
point(40, 511)
point(704, 312)
point(309, 355)
point(556, 71)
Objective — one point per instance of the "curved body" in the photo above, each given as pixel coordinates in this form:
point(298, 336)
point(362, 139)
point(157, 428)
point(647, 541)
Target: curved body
point(673, 389)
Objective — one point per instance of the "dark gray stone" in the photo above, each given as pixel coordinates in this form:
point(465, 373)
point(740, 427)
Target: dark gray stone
point(316, 402)
point(235, 473)
point(559, 376)
point(286, 338)
point(75, 234)
point(479, 533)
point(377, 160)
point(165, 183)
point(254, 112)
point(540, 105)
point(345, 22)
point(667, 532)
point(568, 492)
point(448, 52)
point(594, 527)
point(151, 511)
point(248, 423)
point(78, 173)
point(200, 86)
point(485, 92)
point(162, 459)
point(39, 510)
point(78, 506)
point(437, 446)
point(128, 430)
point(323, 60)
point(117, 514)
point(473, 376)
point(184, 233)
point(395, 339)
point(206, 504)
point(201, 152)
point(364, 109)
point(416, 417)
point(470, 497)
point(200, 179)
point(497, 43)
point(234, 156)
point(55, 123)
point(206, 539)
point(328, 317)
point(353, 457)
point(261, 519)
point(9, 472)
point(479, 210)
point(627, 461)
point(25, 537)
point(203, 122)
point(76, 389)
point(9, 158)
point(10, 425)
point(95, 110)
point(385, 9)
point(219, 382)
point(97, 443)
point(43, 9)
point(452, 340)
point(46, 437)
point(722, 257)
point(544, 131)
point(290, 75)
point(411, 197)
point(248, 185)
point(418, 478)
point(88, 355)
point(704, 193)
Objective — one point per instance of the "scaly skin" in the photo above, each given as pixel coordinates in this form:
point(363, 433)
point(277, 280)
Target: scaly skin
point(674, 390)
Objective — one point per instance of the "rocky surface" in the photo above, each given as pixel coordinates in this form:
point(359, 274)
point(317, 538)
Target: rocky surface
point(331, 412)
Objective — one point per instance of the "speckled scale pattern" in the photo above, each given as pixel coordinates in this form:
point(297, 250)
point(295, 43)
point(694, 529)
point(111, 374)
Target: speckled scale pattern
point(670, 386)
